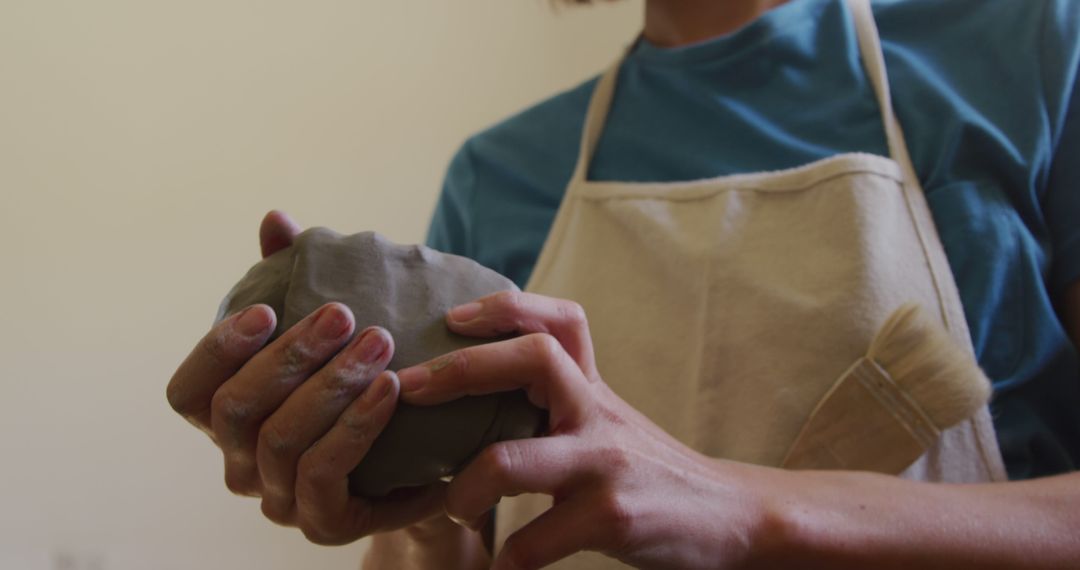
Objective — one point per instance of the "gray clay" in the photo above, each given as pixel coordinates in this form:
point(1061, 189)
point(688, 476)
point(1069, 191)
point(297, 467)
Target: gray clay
point(406, 290)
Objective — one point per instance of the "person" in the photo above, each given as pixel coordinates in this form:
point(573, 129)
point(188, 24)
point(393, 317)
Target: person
point(754, 180)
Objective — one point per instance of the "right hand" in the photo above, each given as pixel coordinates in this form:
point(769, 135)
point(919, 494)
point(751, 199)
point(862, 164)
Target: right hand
point(295, 417)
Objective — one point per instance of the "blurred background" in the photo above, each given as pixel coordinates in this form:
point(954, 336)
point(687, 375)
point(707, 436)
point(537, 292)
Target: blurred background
point(141, 141)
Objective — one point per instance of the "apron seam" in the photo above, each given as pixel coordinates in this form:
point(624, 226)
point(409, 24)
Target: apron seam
point(859, 162)
point(706, 194)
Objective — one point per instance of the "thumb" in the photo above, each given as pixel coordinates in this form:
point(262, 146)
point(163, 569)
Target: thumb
point(276, 232)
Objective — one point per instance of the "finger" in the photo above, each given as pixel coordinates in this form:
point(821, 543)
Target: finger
point(276, 232)
point(536, 363)
point(566, 528)
point(241, 404)
point(326, 510)
point(322, 487)
point(543, 465)
point(215, 359)
point(310, 411)
point(524, 313)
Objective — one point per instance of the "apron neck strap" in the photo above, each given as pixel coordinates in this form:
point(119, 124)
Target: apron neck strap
point(873, 61)
point(595, 117)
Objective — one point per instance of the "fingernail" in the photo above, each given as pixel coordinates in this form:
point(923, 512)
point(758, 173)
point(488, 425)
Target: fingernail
point(466, 312)
point(332, 323)
point(253, 321)
point(370, 346)
point(414, 378)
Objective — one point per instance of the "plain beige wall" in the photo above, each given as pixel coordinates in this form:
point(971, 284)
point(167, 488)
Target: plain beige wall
point(140, 143)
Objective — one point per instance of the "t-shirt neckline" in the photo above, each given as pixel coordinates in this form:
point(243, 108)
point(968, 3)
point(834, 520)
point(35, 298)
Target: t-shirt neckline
point(776, 22)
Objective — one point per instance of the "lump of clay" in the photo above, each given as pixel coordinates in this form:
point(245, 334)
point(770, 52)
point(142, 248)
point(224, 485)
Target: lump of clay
point(406, 290)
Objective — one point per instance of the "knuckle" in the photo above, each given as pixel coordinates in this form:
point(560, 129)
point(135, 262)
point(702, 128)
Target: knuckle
point(498, 462)
point(319, 536)
point(230, 409)
point(507, 301)
point(178, 399)
point(359, 425)
point(276, 511)
point(310, 473)
point(546, 347)
point(348, 378)
point(240, 482)
point(507, 313)
point(327, 531)
point(296, 356)
point(613, 459)
point(615, 515)
point(573, 313)
point(456, 363)
point(341, 381)
point(276, 440)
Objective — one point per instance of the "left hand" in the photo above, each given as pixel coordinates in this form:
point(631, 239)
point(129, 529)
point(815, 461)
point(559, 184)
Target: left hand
point(620, 484)
point(294, 417)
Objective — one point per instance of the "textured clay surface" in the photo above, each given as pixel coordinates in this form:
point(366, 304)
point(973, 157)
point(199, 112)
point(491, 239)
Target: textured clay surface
point(406, 290)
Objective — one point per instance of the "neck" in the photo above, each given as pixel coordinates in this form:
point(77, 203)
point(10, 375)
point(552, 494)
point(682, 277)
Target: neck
point(672, 23)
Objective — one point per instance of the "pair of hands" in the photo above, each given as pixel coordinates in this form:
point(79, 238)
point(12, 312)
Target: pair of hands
point(294, 417)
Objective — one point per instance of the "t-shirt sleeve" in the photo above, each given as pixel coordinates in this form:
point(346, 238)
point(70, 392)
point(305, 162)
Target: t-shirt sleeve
point(1061, 57)
point(450, 225)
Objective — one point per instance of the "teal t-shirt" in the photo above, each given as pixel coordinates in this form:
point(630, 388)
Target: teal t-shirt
point(984, 90)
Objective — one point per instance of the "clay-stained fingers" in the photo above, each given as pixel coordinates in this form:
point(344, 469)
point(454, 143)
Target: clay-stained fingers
point(326, 512)
point(568, 527)
point(276, 232)
point(536, 363)
point(215, 359)
point(505, 469)
point(510, 312)
point(310, 411)
point(230, 344)
point(240, 405)
point(322, 473)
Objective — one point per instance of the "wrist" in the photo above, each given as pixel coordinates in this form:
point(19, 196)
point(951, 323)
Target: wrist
point(759, 505)
point(773, 537)
point(831, 519)
point(838, 519)
point(785, 523)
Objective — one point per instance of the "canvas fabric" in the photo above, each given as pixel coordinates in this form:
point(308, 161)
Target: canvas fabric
point(725, 308)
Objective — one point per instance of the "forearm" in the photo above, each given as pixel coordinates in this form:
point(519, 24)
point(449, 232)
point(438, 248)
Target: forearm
point(436, 543)
point(860, 520)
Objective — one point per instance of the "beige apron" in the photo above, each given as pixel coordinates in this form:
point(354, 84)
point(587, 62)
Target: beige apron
point(724, 309)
